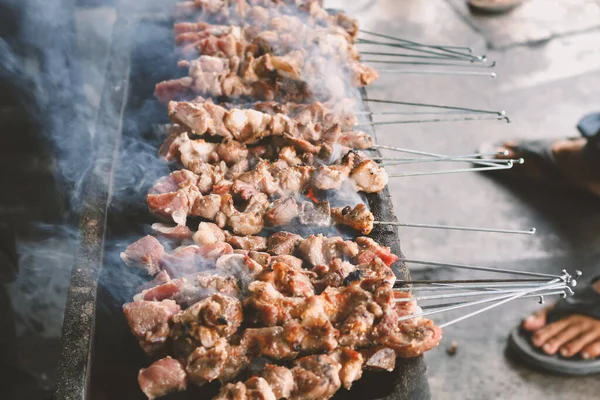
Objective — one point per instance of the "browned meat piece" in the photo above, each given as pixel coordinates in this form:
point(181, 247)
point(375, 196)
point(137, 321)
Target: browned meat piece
point(332, 275)
point(315, 214)
point(350, 25)
point(356, 140)
point(188, 151)
point(233, 391)
point(222, 361)
point(281, 212)
point(289, 155)
point(222, 187)
point(355, 329)
point(280, 379)
point(369, 177)
point(147, 253)
point(358, 218)
point(255, 388)
point(149, 322)
point(250, 243)
point(352, 362)
point(379, 359)
point(207, 206)
point(317, 377)
point(270, 342)
point(177, 232)
point(294, 179)
point(300, 144)
point(261, 178)
point(226, 46)
point(237, 361)
point(173, 89)
point(162, 377)
point(208, 233)
point(268, 307)
point(376, 271)
point(284, 342)
point(232, 151)
point(262, 258)
point(369, 249)
point(288, 280)
point(208, 320)
point(237, 169)
point(244, 190)
point(311, 250)
point(329, 177)
point(407, 338)
point(247, 222)
point(225, 285)
point(282, 243)
point(292, 261)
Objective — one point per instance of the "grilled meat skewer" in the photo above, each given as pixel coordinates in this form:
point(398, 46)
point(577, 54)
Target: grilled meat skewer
point(204, 336)
point(229, 40)
point(185, 199)
point(249, 126)
point(266, 12)
point(292, 77)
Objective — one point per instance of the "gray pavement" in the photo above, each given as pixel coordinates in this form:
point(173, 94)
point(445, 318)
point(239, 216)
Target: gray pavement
point(548, 77)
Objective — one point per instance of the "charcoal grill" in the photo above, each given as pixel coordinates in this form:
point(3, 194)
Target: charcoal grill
point(100, 359)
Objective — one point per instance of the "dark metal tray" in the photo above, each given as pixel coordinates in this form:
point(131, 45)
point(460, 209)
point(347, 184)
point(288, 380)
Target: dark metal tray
point(100, 358)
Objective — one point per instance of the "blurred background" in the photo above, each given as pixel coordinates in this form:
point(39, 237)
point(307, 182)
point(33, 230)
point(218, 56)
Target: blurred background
point(548, 76)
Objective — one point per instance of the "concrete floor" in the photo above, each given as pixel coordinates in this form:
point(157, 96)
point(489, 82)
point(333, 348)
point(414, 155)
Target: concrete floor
point(548, 77)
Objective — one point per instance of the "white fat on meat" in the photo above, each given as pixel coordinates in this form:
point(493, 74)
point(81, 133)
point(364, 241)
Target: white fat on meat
point(369, 177)
point(208, 233)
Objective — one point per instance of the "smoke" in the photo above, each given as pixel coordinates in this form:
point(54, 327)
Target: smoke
point(55, 57)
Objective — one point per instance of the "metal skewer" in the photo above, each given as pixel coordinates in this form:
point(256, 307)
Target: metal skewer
point(457, 228)
point(406, 103)
point(457, 159)
point(508, 165)
point(428, 154)
point(414, 72)
point(419, 56)
point(423, 49)
point(475, 156)
point(441, 64)
point(437, 287)
point(418, 121)
point(486, 269)
point(464, 294)
point(501, 302)
point(400, 284)
point(540, 296)
point(502, 299)
point(381, 113)
point(448, 49)
point(381, 35)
